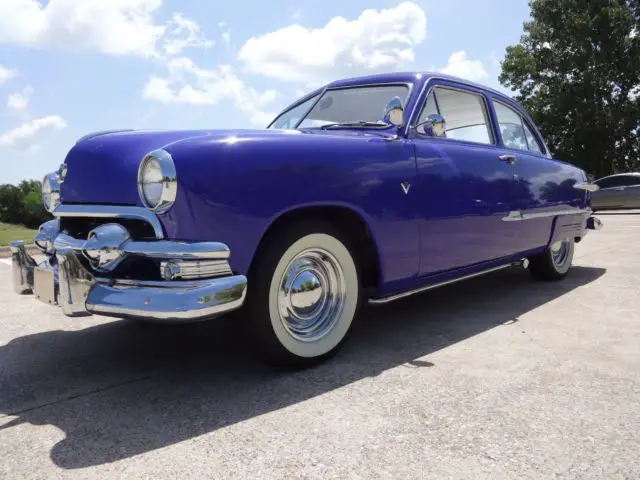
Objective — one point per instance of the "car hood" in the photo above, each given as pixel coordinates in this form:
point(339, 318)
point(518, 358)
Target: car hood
point(102, 167)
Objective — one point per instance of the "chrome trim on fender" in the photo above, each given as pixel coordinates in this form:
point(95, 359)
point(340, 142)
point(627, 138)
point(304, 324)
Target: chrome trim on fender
point(589, 187)
point(516, 216)
point(112, 211)
point(397, 296)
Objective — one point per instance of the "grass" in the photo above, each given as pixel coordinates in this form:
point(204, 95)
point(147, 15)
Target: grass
point(9, 233)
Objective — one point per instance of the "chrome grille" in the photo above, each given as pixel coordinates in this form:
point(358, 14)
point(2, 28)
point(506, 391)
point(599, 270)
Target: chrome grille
point(194, 269)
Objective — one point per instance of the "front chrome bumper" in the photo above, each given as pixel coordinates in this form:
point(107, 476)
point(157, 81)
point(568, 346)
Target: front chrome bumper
point(64, 278)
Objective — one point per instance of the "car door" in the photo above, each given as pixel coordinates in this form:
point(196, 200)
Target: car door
point(543, 186)
point(465, 188)
point(631, 191)
point(611, 194)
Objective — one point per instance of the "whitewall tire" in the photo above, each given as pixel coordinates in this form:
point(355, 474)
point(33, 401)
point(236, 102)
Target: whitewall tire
point(305, 296)
point(553, 264)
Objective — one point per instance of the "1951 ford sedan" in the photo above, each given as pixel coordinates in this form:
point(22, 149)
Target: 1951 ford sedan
point(370, 188)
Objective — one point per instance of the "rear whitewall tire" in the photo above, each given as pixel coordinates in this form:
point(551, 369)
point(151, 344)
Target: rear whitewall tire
point(555, 262)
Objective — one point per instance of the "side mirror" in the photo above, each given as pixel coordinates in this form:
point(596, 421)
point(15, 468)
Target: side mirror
point(434, 126)
point(394, 112)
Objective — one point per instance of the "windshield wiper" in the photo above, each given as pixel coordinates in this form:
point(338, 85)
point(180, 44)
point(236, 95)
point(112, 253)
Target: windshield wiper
point(354, 124)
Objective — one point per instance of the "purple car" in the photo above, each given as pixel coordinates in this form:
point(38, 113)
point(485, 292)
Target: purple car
point(367, 189)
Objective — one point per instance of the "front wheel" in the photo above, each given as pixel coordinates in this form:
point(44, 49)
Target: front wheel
point(554, 263)
point(304, 292)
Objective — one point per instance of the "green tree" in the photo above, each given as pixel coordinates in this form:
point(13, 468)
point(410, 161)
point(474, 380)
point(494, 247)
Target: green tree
point(22, 204)
point(577, 71)
point(11, 198)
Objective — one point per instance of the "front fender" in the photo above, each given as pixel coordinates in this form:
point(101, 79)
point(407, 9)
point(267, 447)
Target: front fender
point(233, 190)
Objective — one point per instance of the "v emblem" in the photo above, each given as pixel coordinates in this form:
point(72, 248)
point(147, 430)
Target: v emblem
point(405, 187)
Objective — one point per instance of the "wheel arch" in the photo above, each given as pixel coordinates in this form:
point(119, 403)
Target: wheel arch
point(348, 220)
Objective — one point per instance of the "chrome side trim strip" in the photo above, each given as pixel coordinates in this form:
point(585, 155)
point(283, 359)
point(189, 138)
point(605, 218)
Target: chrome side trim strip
point(115, 211)
point(397, 296)
point(516, 216)
point(589, 187)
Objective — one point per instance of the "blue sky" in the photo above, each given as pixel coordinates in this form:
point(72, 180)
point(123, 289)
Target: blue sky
point(70, 67)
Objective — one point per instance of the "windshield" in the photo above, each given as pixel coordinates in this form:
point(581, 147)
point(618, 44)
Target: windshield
point(344, 105)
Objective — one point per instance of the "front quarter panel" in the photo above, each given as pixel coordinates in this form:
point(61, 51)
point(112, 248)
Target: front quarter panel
point(232, 189)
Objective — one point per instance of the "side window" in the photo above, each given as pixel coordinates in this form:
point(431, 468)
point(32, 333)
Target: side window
point(429, 109)
point(290, 118)
point(514, 130)
point(611, 182)
point(511, 127)
point(532, 141)
point(465, 114)
point(629, 180)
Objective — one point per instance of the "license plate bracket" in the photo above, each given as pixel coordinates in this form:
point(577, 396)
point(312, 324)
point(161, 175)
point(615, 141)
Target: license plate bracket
point(44, 287)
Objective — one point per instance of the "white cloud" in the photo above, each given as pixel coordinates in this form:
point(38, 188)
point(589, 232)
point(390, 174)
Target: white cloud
point(26, 136)
point(460, 66)
point(226, 38)
point(187, 83)
point(6, 74)
point(377, 40)
point(19, 101)
point(184, 33)
point(108, 26)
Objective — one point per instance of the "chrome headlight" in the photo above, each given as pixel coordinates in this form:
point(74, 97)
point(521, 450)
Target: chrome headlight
point(50, 192)
point(157, 181)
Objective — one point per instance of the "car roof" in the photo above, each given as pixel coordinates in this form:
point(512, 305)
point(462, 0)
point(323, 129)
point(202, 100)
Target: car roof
point(405, 77)
point(627, 174)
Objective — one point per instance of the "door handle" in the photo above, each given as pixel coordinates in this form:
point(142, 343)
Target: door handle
point(620, 188)
point(510, 159)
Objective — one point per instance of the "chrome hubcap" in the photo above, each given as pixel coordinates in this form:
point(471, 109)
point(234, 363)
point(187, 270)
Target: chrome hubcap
point(559, 252)
point(311, 295)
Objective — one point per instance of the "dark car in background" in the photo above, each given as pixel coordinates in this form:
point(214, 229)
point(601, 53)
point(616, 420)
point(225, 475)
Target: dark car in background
point(617, 192)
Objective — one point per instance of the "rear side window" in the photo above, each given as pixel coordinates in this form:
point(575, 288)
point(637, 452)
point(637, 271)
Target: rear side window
point(618, 181)
point(465, 114)
point(514, 129)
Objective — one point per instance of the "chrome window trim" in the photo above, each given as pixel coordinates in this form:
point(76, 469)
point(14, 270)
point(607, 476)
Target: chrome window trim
point(169, 180)
point(412, 121)
point(525, 124)
point(485, 91)
point(409, 85)
point(107, 211)
point(306, 98)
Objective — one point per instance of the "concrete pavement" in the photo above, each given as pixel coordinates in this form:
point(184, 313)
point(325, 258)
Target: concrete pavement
point(496, 377)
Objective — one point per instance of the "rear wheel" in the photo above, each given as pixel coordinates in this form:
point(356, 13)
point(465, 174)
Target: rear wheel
point(554, 263)
point(304, 292)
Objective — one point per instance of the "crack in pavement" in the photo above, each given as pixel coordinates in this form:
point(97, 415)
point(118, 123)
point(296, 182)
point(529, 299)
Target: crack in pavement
point(77, 395)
